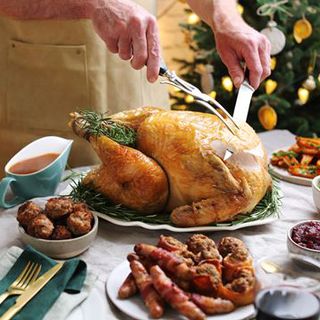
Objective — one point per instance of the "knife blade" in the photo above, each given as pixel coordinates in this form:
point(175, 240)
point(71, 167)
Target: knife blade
point(241, 109)
point(31, 292)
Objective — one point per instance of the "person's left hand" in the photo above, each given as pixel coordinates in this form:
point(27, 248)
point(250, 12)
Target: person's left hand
point(241, 43)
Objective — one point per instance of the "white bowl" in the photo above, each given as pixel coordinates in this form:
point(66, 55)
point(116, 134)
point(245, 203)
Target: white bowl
point(62, 249)
point(294, 247)
point(316, 192)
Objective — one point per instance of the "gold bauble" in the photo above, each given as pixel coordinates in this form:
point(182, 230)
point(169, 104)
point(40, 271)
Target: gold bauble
point(303, 95)
point(302, 29)
point(189, 99)
point(268, 117)
point(271, 85)
point(193, 18)
point(227, 83)
point(273, 63)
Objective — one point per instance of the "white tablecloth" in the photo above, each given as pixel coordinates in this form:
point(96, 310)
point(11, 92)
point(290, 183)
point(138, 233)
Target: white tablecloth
point(113, 242)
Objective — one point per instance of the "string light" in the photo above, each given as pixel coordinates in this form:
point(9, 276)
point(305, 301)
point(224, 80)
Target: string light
point(213, 94)
point(189, 99)
point(240, 8)
point(227, 83)
point(273, 63)
point(193, 18)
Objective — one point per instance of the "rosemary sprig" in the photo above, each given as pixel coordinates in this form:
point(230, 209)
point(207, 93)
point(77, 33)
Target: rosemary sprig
point(95, 124)
point(267, 207)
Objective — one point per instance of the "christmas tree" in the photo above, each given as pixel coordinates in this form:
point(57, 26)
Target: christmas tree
point(290, 97)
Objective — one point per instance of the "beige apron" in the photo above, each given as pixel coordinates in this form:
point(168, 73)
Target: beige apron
point(50, 68)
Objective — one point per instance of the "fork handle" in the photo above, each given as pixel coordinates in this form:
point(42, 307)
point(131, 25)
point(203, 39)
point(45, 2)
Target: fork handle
point(4, 296)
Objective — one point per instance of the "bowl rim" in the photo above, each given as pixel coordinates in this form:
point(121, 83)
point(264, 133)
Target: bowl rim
point(316, 183)
point(95, 226)
point(296, 244)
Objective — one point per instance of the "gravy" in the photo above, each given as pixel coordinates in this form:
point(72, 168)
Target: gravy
point(35, 164)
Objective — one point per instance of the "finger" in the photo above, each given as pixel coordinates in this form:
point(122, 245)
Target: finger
point(252, 59)
point(125, 48)
point(112, 44)
point(265, 63)
point(264, 52)
point(153, 46)
point(139, 44)
point(232, 62)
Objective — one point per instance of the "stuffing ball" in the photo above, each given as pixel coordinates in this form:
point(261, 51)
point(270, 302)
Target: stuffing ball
point(27, 212)
point(80, 221)
point(57, 208)
point(61, 232)
point(40, 227)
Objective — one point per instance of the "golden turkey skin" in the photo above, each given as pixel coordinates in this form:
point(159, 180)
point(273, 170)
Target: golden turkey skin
point(197, 186)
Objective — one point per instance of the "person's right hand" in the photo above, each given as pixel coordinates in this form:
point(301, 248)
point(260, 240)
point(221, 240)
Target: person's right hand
point(132, 32)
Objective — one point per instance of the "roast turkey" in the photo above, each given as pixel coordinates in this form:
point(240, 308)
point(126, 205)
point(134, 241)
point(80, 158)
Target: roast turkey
point(177, 166)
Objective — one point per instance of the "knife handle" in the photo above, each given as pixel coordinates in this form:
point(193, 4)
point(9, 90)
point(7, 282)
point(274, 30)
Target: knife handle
point(10, 313)
point(163, 68)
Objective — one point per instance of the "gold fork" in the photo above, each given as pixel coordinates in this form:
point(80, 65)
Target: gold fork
point(28, 275)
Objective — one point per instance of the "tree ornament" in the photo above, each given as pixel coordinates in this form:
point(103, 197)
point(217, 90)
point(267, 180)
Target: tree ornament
point(271, 85)
point(227, 83)
point(303, 95)
point(310, 83)
point(207, 82)
point(180, 107)
point(189, 98)
point(275, 36)
point(273, 63)
point(302, 30)
point(268, 117)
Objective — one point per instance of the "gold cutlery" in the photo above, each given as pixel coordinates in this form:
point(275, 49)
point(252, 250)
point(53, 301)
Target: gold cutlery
point(31, 292)
point(27, 276)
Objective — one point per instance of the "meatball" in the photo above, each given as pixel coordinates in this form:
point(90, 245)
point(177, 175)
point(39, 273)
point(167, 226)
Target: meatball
point(27, 212)
point(56, 208)
point(203, 246)
point(229, 245)
point(61, 232)
point(40, 227)
point(80, 221)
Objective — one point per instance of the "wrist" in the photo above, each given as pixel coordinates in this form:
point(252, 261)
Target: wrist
point(225, 17)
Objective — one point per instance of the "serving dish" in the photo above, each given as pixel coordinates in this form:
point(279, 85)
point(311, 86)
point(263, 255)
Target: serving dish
point(62, 249)
point(300, 248)
point(135, 308)
point(316, 192)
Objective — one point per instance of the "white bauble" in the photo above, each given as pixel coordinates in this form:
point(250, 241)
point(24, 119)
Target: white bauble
point(275, 36)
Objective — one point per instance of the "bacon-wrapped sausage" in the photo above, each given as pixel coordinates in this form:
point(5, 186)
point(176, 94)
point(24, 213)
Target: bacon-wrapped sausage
point(149, 295)
point(128, 288)
point(212, 305)
point(176, 297)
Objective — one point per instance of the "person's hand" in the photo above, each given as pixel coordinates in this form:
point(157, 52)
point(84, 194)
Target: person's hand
point(241, 43)
point(131, 31)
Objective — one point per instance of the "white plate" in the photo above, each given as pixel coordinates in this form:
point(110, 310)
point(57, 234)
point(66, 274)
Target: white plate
point(283, 174)
point(169, 227)
point(135, 308)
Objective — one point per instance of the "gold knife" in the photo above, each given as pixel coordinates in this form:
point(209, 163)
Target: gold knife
point(31, 292)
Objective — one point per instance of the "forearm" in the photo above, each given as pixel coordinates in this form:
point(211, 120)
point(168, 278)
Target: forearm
point(218, 14)
point(48, 9)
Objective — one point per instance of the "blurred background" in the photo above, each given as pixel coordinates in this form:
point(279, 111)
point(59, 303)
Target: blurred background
point(289, 98)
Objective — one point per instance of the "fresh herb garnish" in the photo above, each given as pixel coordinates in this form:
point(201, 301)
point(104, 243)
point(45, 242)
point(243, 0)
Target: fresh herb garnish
point(95, 124)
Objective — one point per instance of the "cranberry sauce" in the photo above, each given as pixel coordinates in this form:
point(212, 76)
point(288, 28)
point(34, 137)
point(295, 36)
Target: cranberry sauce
point(307, 235)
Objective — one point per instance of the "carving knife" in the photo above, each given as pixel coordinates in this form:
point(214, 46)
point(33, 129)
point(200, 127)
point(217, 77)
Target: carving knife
point(31, 292)
point(241, 109)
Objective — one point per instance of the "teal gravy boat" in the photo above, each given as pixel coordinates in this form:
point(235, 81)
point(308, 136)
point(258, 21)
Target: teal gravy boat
point(41, 183)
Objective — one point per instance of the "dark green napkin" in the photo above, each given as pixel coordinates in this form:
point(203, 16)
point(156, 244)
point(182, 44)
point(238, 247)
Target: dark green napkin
point(69, 279)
